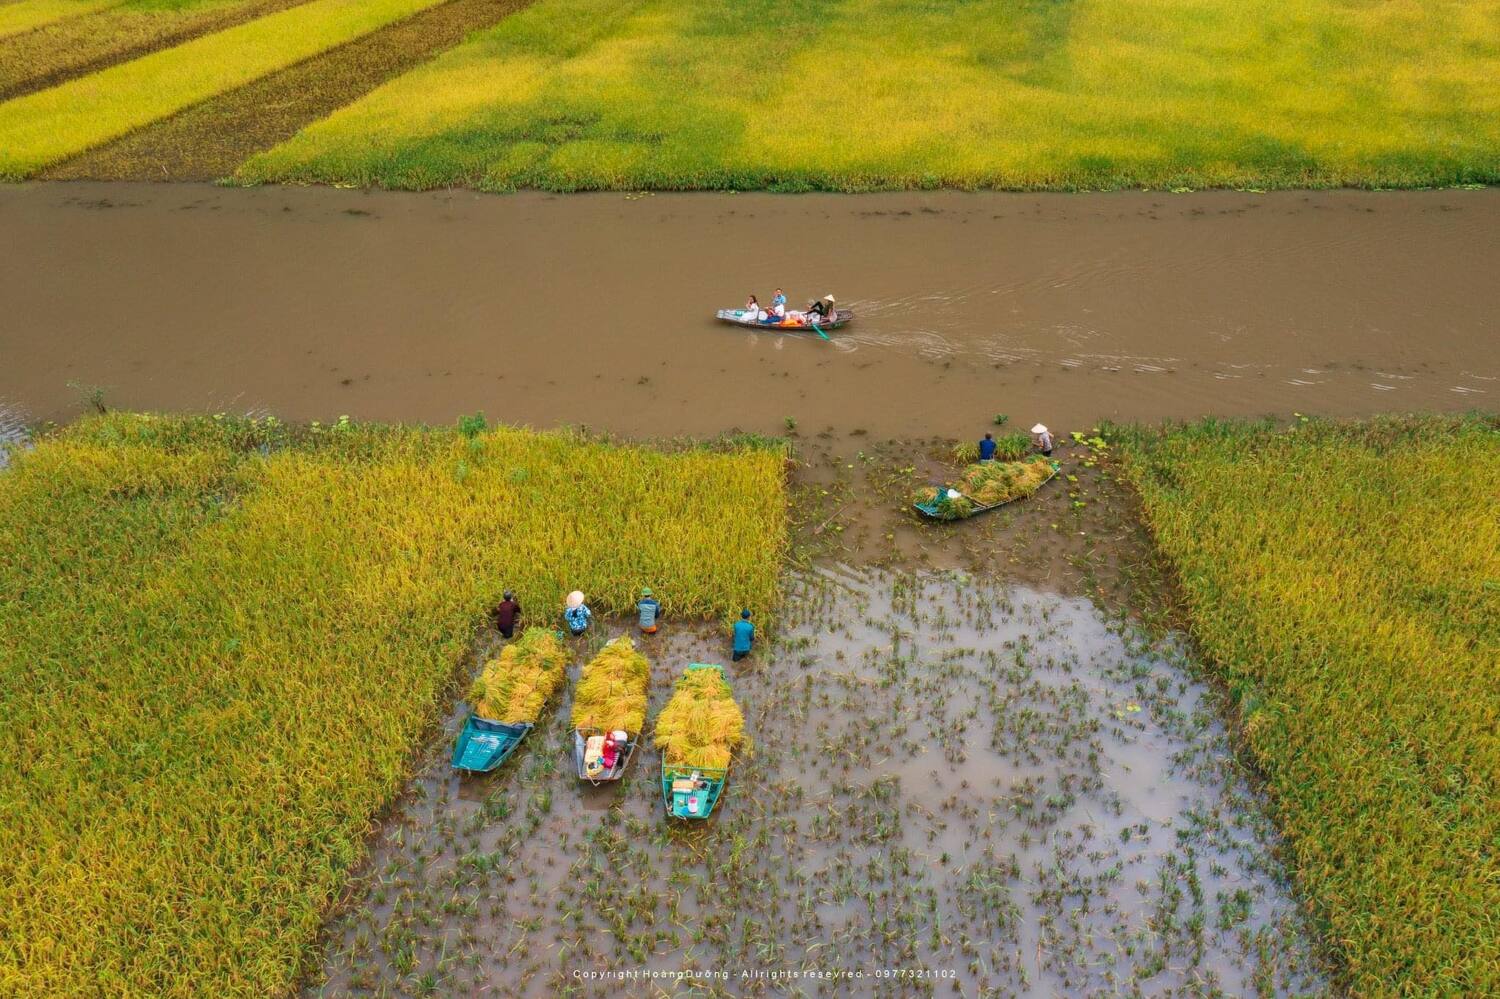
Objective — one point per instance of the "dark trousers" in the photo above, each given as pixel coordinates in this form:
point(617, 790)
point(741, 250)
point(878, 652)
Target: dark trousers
point(740, 655)
point(507, 632)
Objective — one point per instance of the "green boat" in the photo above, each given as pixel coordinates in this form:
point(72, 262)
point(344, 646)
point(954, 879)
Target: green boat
point(691, 792)
point(483, 744)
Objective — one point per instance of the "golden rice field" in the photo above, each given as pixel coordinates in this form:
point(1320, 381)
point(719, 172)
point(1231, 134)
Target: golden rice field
point(863, 94)
point(1345, 579)
point(221, 639)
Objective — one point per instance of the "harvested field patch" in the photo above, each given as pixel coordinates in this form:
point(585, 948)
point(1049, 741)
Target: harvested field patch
point(222, 638)
point(28, 15)
point(1346, 581)
point(64, 49)
point(210, 140)
point(40, 129)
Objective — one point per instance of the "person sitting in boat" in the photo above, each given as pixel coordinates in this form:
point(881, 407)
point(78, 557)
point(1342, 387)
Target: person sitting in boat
point(609, 753)
point(822, 309)
point(593, 756)
point(778, 301)
point(753, 310)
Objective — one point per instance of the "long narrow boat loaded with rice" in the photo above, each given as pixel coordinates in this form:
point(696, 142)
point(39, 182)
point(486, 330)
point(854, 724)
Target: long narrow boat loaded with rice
point(698, 733)
point(609, 711)
point(508, 697)
point(983, 486)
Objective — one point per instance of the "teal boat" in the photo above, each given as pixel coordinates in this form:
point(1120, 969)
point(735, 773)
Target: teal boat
point(691, 792)
point(483, 744)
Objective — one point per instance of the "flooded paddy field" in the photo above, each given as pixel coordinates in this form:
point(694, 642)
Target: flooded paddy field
point(594, 309)
point(995, 790)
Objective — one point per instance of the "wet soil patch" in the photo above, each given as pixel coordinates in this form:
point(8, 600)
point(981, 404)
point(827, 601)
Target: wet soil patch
point(995, 790)
point(77, 46)
point(209, 140)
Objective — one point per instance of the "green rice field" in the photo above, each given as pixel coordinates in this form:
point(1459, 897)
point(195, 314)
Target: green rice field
point(224, 638)
point(862, 94)
point(1345, 580)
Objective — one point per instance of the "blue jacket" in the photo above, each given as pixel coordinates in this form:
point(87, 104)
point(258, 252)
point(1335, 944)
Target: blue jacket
point(986, 449)
point(578, 618)
point(649, 609)
point(744, 635)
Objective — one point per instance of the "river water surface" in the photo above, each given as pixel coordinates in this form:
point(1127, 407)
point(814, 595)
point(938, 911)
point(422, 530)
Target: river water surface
point(595, 309)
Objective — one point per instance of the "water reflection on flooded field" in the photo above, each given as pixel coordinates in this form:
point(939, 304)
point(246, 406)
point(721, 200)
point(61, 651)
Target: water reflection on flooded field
point(994, 786)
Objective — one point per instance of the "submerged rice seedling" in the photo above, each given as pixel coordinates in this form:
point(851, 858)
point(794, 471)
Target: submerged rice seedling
point(701, 726)
point(515, 685)
point(611, 693)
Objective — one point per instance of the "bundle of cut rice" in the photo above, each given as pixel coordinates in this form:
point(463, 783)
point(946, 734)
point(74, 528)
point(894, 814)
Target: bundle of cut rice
point(985, 484)
point(514, 687)
point(611, 693)
point(701, 726)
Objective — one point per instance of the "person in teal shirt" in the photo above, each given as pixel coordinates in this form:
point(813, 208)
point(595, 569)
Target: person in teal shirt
point(744, 636)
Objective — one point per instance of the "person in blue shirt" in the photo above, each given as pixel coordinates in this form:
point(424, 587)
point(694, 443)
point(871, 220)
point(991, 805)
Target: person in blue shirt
point(987, 448)
point(744, 636)
point(578, 615)
point(649, 610)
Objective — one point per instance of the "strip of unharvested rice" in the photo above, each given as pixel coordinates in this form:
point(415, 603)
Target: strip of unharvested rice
point(209, 141)
point(47, 127)
point(63, 50)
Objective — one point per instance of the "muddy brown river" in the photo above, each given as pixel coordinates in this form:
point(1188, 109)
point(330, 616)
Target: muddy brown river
point(596, 309)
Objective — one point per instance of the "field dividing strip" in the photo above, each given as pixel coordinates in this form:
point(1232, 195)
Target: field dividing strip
point(46, 127)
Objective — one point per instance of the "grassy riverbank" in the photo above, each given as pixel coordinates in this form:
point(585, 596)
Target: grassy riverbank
point(223, 638)
point(1346, 581)
point(862, 94)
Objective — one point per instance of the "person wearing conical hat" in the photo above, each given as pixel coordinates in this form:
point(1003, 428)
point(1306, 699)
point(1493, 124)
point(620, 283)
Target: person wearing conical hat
point(578, 615)
point(1042, 438)
point(823, 308)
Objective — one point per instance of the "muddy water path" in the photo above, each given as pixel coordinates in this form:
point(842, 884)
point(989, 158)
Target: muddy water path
point(593, 309)
point(995, 790)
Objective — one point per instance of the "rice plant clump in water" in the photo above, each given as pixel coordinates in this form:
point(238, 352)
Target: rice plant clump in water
point(611, 693)
point(515, 686)
point(701, 726)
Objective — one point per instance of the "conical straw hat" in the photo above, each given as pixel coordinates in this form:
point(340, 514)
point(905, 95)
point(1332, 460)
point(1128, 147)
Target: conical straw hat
point(575, 599)
point(1039, 429)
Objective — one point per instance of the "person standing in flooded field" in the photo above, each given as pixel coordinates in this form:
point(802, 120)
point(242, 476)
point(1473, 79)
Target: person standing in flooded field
point(987, 448)
point(744, 636)
point(577, 616)
point(506, 614)
point(1042, 438)
point(649, 611)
